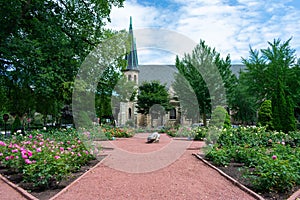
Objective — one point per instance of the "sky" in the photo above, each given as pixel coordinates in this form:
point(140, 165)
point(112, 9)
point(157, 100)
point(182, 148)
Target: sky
point(229, 26)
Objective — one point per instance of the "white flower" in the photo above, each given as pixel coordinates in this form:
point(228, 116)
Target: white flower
point(44, 128)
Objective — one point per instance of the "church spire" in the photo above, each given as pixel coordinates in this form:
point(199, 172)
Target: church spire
point(132, 60)
point(130, 24)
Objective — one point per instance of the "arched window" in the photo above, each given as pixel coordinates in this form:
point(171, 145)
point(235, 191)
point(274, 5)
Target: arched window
point(129, 113)
point(173, 113)
point(129, 77)
point(135, 78)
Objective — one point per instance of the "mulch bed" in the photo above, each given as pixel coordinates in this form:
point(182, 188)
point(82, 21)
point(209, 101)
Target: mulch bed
point(47, 193)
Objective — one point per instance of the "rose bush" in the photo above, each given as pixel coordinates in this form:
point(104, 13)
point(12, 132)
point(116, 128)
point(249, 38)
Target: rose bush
point(42, 157)
point(270, 158)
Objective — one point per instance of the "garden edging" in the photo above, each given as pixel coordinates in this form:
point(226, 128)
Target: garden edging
point(78, 179)
point(235, 182)
point(295, 195)
point(18, 189)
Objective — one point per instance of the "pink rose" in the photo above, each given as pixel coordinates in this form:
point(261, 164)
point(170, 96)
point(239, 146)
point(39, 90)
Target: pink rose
point(27, 161)
point(29, 153)
point(2, 143)
point(14, 150)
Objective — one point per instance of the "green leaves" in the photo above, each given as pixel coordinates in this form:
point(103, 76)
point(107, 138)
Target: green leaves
point(42, 44)
point(207, 77)
point(150, 94)
point(270, 74)
point(270, 159)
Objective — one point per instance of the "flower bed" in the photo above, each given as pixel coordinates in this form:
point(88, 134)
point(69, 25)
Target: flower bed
point(105, 133)
point(270, 160)
point(196, 133)
point(44, 158)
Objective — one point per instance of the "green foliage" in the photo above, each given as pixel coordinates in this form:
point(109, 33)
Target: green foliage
point(152, 93)
point(44, 158)
point(277, 171)
point(116, 132)
point(243, 103)
point(270, 158)
point(200, 133)
point(283, 112)
point(220, 118)
point(265, 114)
point(205, 75)
point(271, 75)
point(219, 157)
point(17, 125)
point(84, 120)
point(42, 45)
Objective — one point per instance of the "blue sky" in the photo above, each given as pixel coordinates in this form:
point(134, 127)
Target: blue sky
point(229, 26)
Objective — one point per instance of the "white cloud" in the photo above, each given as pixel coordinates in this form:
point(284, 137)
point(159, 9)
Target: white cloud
point(227, 26)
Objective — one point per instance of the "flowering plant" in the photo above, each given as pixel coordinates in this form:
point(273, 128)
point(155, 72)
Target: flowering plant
point(44, 158)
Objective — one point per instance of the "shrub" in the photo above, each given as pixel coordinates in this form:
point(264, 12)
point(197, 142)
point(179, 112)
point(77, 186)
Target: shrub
point(44, 158)
point(220, 118)
point(270, 158)
point(265, 114)
point(16, 125)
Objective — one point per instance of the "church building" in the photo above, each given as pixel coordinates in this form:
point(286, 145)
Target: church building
point(128, 114)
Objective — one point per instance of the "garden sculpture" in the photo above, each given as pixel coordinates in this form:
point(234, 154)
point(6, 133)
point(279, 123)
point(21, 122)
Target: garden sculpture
point(154, 137)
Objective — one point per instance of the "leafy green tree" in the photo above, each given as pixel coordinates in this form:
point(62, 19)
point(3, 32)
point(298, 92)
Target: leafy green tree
point(152, 94)
point(42, 44)
point(188, 99)
point(208, 75)
point(265, 114)
point(270, 76)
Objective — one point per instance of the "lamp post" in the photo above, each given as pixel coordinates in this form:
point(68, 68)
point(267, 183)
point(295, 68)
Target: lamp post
point(5, 118)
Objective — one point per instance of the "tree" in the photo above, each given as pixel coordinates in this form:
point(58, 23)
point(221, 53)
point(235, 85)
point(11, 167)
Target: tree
point(42, 44)
point(243, 103)
point(208, 75)
point(271, 76)
point(188, 99)
point(152, 94)
point(265, 114)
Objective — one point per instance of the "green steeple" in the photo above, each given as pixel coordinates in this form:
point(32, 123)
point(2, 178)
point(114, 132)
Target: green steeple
point(132, 59)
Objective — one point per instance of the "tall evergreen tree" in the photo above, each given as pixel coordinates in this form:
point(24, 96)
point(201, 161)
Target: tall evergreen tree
point(270, 76)
point(208, 75)
point(265, 115)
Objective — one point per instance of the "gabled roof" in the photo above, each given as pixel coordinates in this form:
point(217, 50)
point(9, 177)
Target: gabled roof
point(165, 74)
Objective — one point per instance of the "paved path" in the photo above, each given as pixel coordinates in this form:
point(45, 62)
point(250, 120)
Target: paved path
point(8, 191)
point(158, 171)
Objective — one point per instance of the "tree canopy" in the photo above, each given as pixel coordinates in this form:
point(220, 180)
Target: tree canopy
point(208, 75)
point(270, 75)
point(150, 94)
point(42, 44)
